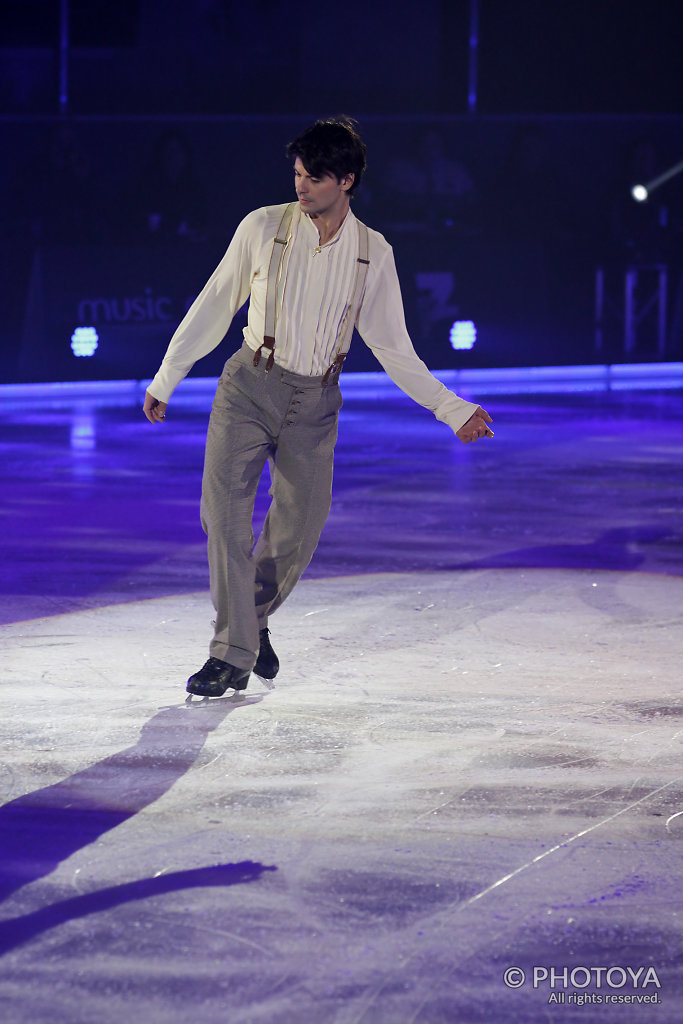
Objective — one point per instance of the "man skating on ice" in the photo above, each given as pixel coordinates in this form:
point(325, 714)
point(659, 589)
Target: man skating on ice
point(311, 271)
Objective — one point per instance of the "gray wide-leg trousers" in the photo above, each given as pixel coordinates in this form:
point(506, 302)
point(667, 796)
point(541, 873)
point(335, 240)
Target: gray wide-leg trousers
point(290, 421)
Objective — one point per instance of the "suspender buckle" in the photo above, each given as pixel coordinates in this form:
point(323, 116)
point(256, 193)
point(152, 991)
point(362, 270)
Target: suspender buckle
point(334, 368)
point(268, 343)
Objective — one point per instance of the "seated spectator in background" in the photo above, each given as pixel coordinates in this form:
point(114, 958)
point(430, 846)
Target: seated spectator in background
point(55, 199)
point(528, 200)
point(531, 226)
point(431, 190)
point(168, 203)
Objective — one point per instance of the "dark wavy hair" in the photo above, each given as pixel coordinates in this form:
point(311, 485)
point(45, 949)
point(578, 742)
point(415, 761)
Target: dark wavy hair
point(331, 147)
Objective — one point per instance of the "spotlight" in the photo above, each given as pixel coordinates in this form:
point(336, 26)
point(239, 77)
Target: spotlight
point(463, 335)
point(641, 192)
point(84, 341)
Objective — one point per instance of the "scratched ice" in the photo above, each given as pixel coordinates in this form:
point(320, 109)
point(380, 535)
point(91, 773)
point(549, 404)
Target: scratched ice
point(457, 772)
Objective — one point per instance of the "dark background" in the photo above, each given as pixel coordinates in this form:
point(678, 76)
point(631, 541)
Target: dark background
point(119, 198)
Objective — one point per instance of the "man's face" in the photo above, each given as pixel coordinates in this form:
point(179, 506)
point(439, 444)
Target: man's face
point(320, 195)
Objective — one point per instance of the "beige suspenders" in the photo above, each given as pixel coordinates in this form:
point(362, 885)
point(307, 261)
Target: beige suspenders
point(279, 246)
point(352, 310)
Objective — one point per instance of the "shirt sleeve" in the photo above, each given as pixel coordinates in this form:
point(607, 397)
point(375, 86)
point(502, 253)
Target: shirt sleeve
point(206, 322)
point(382, 326)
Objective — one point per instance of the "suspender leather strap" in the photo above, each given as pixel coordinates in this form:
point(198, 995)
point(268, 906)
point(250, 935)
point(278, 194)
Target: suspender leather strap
point(278, 251)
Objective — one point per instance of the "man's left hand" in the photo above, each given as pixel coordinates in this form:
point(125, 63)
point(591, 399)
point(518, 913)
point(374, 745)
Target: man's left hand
point(477, 426)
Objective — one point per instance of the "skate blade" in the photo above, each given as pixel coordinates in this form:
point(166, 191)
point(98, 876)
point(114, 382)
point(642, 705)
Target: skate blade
point(268, 683)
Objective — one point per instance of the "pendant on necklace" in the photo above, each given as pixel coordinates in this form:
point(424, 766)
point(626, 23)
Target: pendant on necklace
point(317, 250)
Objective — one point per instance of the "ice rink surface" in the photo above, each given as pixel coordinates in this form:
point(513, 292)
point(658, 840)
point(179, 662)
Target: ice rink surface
point(462, 801)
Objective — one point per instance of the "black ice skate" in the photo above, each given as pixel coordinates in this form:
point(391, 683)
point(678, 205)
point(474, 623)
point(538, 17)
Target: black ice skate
point(215, 677)
point(267, 664)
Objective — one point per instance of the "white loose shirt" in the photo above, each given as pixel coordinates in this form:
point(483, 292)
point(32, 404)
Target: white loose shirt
point(315, 286)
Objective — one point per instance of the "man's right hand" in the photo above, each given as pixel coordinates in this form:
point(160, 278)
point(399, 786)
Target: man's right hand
point(154, 410)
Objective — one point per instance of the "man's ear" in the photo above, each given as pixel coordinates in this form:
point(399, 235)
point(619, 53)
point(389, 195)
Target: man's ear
point(347, 181)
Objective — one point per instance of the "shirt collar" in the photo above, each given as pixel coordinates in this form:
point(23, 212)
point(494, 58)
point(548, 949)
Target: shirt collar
point(313, 231)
